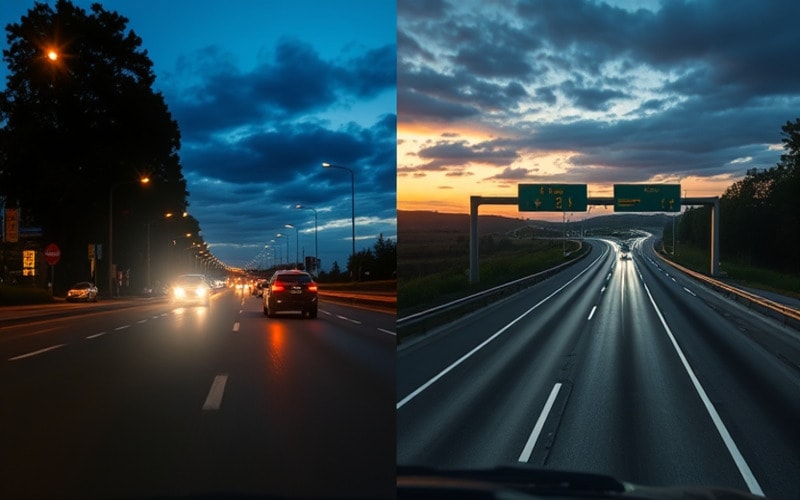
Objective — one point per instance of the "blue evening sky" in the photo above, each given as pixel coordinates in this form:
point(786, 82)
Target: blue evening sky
point(263, 92)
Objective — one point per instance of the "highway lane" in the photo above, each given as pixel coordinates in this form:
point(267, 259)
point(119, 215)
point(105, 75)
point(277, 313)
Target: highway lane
point(584, 374)
point(163, 401)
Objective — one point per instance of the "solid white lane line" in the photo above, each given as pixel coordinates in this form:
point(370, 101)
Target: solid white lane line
point(34, 353)
point(95, 335)
point(214, 398)
point(387, 331)
point(738, 459)
point(537, 429)
point(591, 313)
point(122, 327)
point(691, 292)
point(416, 392)
point(236, 327)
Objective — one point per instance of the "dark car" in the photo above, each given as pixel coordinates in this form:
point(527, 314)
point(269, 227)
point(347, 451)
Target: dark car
point(83, 291)
point(290, 290)
point(191, 289)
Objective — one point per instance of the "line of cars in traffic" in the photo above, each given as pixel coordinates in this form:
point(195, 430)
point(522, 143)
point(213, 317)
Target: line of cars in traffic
point(288, 290)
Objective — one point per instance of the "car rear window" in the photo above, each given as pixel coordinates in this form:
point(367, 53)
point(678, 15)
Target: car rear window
point(294, 278)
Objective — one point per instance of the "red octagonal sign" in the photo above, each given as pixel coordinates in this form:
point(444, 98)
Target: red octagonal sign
point(52, 254)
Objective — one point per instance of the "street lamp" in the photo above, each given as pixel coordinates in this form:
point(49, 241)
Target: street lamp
point(296, 244)
point(316, 248)
point(281, 235)
point(143, 181)
point(352, 202)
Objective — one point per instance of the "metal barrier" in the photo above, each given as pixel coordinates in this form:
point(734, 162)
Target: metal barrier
point(788, 315)
point(440, 314)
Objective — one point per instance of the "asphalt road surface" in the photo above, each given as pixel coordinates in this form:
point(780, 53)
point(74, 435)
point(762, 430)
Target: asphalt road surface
point(160, 401)
point(618, 367)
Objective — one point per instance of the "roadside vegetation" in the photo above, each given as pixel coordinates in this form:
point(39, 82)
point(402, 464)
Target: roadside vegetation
point(759, 226)
point(747, 275)
point(433, 266)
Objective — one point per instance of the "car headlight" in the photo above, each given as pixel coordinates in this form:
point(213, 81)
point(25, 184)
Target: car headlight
point(179, 292)
point(201, 292)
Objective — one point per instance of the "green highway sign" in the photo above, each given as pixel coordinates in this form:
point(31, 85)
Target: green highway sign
point(647, 197)
point(552, 197)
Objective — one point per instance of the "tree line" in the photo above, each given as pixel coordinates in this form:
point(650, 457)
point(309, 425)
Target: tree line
point(759, 214)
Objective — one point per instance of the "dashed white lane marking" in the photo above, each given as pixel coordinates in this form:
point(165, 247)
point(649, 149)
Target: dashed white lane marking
point(689, 291)
point(537, 429)
point(214, 398)
point(602, 290)
point(236, 327)
point(122, 327)
point(34, 353)
point(386, 331)
point(591, 313)
point(348, 319)
point(142, 321)
point(89, 337)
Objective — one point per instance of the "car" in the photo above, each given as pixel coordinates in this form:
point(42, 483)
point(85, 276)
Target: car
point(84, 291)
point(290, 290)
point(191, 289)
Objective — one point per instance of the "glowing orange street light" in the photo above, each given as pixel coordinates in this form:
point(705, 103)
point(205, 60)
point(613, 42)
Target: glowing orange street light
point(52, 55)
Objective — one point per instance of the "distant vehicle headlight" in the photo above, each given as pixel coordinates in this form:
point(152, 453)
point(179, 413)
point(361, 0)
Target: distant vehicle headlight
point(179, 292)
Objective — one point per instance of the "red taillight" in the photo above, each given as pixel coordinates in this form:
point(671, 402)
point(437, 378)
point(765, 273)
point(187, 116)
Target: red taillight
point(312, 287)
point(276, 287)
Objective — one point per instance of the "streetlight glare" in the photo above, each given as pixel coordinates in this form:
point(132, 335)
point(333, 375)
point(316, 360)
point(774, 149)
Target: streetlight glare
point(325, 164)
point(52, 55)
point(144, 180)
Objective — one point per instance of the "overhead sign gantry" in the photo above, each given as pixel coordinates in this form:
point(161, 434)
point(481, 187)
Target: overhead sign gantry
point(574, 198)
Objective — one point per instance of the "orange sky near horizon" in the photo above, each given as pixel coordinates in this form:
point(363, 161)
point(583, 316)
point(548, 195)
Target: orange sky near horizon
point(449, 190)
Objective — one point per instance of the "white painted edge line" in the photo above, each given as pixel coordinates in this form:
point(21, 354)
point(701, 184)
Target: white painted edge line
point(89, 337)
point(122, 327)
point(214, 398)
point(689, 291)
point(738, 459)
point(387, 331)
point(591, 313)
point(34, 353)
point(537, 429)
point(416, 392)
point(236, 327)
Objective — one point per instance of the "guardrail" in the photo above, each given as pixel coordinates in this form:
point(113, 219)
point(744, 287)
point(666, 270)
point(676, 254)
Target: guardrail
point(788, 315)
point(424, 320)
point(385, 301)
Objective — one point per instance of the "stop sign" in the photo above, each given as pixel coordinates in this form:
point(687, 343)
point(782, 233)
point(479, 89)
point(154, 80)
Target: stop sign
point(52, 254)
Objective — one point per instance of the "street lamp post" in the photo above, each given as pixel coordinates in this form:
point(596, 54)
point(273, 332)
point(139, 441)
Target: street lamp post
point(296, 244)
point(316, 247)
point(352, 202)
point(281, 235)
point(143, 180)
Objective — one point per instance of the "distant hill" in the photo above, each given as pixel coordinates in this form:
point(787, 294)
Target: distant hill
point(415, 221)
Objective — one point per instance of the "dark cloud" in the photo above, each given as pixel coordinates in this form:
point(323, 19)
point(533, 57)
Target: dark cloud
point(681, 88)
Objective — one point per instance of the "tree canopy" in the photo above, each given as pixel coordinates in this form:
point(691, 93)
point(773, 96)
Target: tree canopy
point(81, 124)
point(759, 214)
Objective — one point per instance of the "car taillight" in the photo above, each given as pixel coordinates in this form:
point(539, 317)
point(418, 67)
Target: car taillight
point(276, 287)
point(312, 287)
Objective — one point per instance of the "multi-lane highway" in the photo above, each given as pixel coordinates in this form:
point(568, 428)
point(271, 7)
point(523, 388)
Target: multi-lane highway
point(620, 367)
point(159, 401)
